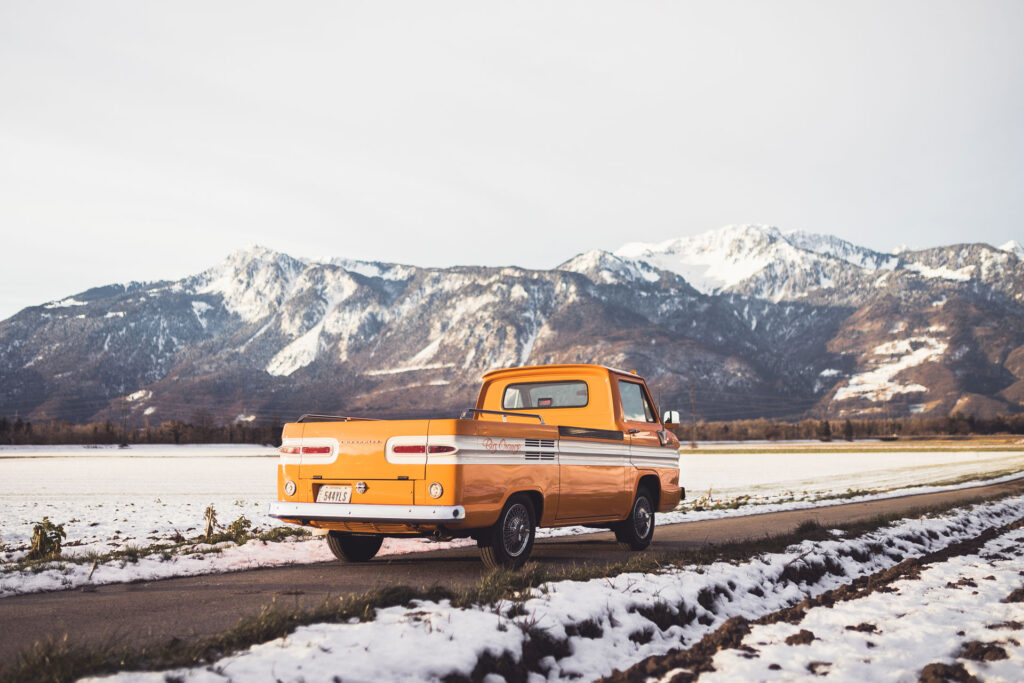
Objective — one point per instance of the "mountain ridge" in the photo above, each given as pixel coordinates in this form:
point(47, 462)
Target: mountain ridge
point(770, 323)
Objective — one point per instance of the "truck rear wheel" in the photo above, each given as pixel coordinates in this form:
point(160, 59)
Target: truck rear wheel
point(509, 542)
point(352, 548)
point(636, 531)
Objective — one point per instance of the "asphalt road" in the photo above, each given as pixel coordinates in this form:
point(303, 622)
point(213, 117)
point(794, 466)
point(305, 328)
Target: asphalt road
point(154, 612)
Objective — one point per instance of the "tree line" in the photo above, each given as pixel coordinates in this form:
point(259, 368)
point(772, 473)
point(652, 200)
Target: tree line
point(198, 431)
point(203, 430)
point(849, 430)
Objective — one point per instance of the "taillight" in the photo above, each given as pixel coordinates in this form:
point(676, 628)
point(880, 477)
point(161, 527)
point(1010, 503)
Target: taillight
point(316, 450)
point(423, 449)
point(289, 450)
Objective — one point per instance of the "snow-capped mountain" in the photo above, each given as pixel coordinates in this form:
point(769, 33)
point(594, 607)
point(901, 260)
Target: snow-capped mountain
point(1013, 247)
point(766, 263)
point(758, 321)
point(760, 261)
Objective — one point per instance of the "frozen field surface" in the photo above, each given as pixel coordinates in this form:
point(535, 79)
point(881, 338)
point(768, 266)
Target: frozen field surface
point(110, 499)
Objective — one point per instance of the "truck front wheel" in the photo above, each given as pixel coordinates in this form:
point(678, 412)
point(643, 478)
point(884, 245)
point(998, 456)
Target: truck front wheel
point(352, 548)
point(636, 531)
point(509, 542)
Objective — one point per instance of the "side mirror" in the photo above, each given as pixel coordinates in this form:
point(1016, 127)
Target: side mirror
point(671, 418)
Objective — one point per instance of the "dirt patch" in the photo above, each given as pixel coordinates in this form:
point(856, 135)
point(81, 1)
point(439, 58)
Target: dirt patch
point(1015, 596)
point(538, 646)
point(978, 651)
point(863, 627)
point(801, 637)
point(664, 616)
point(696, 659)
point(585, 629)
point(1009, 625)
point(943, 673)
point(819, 668)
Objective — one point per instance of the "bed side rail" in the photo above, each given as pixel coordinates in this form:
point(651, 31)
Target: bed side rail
point(471, 413)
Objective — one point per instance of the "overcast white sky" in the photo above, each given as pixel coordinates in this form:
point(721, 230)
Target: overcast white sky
point(148, 140)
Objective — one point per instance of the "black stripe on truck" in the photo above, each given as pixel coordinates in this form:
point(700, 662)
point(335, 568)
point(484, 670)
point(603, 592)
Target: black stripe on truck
point(588, 433)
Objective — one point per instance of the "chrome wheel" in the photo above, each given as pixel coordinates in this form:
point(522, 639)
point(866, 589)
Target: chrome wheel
point(636, 531)
point(642, 517)
point(508, 542)
point(515, 530)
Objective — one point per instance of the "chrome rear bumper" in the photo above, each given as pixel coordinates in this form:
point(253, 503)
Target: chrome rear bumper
point(349, 512)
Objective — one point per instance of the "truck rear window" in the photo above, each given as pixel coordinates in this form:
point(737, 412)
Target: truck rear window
point(545, 395)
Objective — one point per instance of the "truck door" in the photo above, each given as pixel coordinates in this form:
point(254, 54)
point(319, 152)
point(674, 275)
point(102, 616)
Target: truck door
point(642, 425)
point(591, 470)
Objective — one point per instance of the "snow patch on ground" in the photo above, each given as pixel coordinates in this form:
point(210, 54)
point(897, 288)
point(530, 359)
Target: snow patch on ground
point(227, 557)
point(161, 491)
point(433, 639)
point(922, 621)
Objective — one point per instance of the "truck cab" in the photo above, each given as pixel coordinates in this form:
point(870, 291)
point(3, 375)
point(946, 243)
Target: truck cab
point(548, 445)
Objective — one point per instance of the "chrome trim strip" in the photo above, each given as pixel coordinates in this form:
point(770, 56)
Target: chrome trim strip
point(357, 512)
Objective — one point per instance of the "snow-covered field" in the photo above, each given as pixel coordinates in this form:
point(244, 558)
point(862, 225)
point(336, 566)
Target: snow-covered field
point(770, 474)
point(885, 636)
point(110, 499)
point(610, 623)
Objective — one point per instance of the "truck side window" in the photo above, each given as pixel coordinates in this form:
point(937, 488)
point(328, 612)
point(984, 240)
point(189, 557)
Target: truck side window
point(571, 394)
point(635, 405)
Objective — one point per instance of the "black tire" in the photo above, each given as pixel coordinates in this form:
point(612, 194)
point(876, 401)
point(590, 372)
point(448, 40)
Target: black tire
point(636, 531)
point(352, 548)
point(509, 542)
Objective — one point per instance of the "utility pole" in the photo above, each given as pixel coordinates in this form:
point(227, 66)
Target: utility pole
point(693, 420)
point(124, 422)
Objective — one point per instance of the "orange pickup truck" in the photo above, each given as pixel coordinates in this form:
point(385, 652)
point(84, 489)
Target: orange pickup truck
point(546, 445)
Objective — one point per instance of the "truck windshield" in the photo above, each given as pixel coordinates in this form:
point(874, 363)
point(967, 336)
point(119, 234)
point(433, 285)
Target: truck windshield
point(545, 395)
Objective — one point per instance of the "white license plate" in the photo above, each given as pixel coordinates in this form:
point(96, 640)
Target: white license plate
point(334, 494)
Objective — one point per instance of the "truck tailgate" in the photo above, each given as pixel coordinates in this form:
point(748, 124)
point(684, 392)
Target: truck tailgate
point(361, 449)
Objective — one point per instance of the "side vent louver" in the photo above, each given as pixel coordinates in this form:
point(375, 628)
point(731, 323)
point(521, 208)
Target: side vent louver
point(540, 449)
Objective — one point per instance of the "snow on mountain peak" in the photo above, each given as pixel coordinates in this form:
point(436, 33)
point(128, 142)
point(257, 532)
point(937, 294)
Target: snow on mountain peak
point(829, 245)
point(606, 268)
point(386, 271)
point(1014, 247)
point(715, 260)
point(253, 282)
point(758, 259)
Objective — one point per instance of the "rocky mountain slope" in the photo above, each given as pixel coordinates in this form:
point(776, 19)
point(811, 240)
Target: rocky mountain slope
point(757, 321)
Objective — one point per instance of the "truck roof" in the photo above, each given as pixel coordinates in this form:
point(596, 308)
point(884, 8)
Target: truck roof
point(587, 367)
